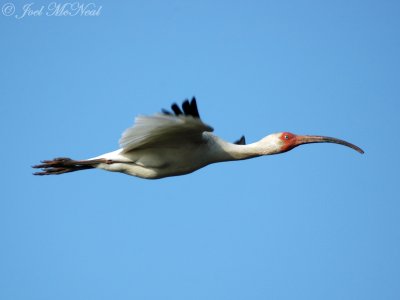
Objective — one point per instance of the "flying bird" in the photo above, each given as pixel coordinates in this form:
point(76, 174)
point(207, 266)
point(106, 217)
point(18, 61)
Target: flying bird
point(178, 142)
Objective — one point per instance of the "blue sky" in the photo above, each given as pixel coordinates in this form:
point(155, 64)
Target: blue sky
point(318, 222)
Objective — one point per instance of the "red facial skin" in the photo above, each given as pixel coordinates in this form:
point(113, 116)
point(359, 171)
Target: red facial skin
point(289, 141)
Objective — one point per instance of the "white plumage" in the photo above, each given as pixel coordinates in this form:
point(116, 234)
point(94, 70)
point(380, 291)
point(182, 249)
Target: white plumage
point(177, 143)
point(162, 130)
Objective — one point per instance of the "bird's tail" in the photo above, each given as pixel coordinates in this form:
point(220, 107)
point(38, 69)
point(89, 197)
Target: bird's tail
point(63, 165)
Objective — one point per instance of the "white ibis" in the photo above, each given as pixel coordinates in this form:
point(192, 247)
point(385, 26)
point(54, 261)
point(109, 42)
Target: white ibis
point(176, 143)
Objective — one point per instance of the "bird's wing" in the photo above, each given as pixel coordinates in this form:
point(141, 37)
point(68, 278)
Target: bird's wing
point(180, 127)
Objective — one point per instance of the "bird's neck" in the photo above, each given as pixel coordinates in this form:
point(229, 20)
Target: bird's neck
point(225, 151)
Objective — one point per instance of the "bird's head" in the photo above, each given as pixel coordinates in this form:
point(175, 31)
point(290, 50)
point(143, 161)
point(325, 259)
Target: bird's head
point(286, 141)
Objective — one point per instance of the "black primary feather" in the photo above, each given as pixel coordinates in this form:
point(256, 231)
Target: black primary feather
point(189, 108)
point(241, 141)
point(176, 109)
point(166, 112)
point(193, 108)
point(186, 107)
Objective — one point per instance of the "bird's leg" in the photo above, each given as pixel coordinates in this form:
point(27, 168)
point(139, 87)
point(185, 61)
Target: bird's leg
point(56, 162)
point(63, 165)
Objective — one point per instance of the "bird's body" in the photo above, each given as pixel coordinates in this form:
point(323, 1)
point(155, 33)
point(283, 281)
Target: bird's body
point(156, 162)
point(178, 143)
point(176, 158)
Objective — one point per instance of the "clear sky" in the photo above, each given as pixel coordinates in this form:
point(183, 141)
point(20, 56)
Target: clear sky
point(318, 222)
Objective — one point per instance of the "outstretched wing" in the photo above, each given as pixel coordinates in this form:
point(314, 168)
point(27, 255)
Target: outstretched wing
point(181, 126)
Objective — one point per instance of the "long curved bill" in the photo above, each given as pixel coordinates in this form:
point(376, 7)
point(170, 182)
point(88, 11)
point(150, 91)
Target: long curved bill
point(308, 139)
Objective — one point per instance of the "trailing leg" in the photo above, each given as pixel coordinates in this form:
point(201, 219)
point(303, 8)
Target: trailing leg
point(63, 165)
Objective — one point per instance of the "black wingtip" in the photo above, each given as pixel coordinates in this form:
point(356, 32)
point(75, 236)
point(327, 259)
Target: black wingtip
point(186, 107)
point(241, 141)
point(195, 111)
point(189, 108)
point(166, 112)
point(176, 109)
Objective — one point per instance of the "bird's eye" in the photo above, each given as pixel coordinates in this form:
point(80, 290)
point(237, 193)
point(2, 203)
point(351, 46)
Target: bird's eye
point(286, 136)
